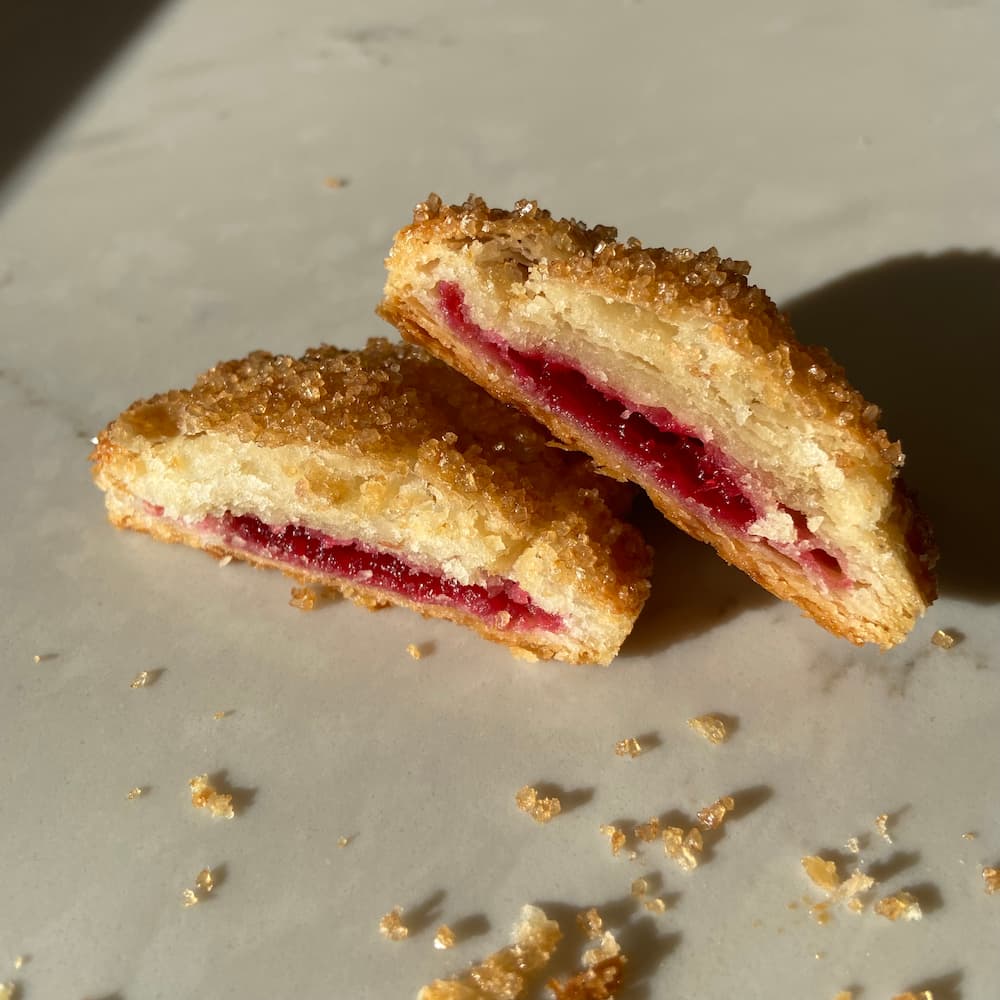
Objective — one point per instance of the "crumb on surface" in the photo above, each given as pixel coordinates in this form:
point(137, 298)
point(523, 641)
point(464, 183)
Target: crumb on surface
point(656, 905)
point(304, 598)
point(709, 726)
point(134, 793)
point(225, 561)
point(19, 961)
point(902, 906)
point(541, 810)
point(219, 715)
point(444, 938)
point(991, 880)
point(684, 848)
point(882, 825)
point(142, 679)
point(189, 897)
point(607, 948)
point(853, 845)
point(942, 639)
point(8, 991)
point(968, 835)
point(822, 874)
point(844, 995)
point(922, 995)
point(629, 747)
point(590, 923)
point(616, 837)
point(503, 975)
point(343, 841)
point(639, 888)
point(391, 925)
point(204, 796)
point(649, 831)
point(332, 183)
point(205, 881)
point(43, 657)
point(712, 817)
point(600, 981)
point(414, 651)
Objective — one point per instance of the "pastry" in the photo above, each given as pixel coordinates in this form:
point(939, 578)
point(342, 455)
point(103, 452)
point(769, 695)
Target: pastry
point(672, 371)
point(390, 477)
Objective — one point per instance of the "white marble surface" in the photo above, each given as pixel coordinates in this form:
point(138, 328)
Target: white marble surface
point(179, 215)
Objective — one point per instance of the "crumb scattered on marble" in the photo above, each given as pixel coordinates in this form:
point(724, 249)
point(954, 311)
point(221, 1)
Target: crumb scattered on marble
point(709, 726)
point(142, 679)
point(649, 831)
point(303, 598)
point(391, 925)
point(844, 995)
point(219, 715)
point(882, 825)
point(712, 817)
point(225, 561)
point(44, 657)
point(334, 183)
point(444, 938)
point(822, 874)
point(942, 639)
point(968, 835)
point(656, 905)
point(414, 651)
point(639, 888)
point(204, 796)
point(991, 880)
point(629, 747)
point(134, 793)
point(616, 837)
point(189, 897)
point(343, 841)
point(601, 978)
point(504, 974)
point(590, 923)
point(607, 948)
point(541, 810)
point(684, 848)
point(853, 845)
point(205, 881)
point(19, 961)
point(902, 906)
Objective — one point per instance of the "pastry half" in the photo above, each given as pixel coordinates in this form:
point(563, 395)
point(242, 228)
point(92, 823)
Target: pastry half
point(672, 371)
point(387, 475)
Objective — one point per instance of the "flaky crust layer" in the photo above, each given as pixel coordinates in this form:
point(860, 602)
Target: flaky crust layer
point(528, 249)
point(391, 447)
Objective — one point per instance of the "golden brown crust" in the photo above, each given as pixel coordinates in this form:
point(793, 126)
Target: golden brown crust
point(394, 406)
point(702, 291)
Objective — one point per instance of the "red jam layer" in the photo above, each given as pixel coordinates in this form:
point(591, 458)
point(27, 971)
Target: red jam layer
point(501, 605)
point(650, 438)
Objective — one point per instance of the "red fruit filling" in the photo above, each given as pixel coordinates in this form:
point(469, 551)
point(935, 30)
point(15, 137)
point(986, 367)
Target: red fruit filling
point(501, 604)
point(657, 445)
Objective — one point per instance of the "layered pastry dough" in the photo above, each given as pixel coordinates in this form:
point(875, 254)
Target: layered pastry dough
point(387, 475)
point(671, 370)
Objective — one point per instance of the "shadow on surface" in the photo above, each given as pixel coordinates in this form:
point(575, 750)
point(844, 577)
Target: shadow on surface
point(50, 52)
point(920, 335)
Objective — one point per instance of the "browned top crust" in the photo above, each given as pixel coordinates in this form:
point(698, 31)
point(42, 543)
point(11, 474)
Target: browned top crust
point(664, 281)
point(395, 402)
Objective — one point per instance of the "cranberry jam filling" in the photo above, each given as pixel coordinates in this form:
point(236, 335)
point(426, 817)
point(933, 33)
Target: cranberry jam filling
point(503, 604)
point(650, 438)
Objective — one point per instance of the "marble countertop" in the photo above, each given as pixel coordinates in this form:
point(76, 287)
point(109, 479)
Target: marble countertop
point(182, 210)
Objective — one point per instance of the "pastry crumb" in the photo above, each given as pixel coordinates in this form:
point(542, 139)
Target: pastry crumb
point(853, 845)
point(225, 560)
point(205, 881)
point(616, 837)
point(882, 825)
point(444, 938)
point(639, 888)
point(656, 905)
point(142, 679)
point(134, 793)
point(43, 657)
point(709, 726)
point(649, 831)
point(391, 925)
point(844, 995)
point(189, 897)
point(19, 961)
point(590, 923)
point(712, 817)
point(8, 991)
point(334, 183)
point(968, 835)
point(541, 810)
point(219, 715)
point(607, 948)
point(303, 598)
point(204, 796)
point(822, 874)
point(343, 841)
point(942, 639)
point(991, 880)
point(600, 981)
point(629, 747)
point(684, 848)
point(922, 995)
point(503, 975)
point(414, 651)
point(902, 906)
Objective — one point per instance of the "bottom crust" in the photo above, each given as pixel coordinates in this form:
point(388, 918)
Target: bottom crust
point(125, 511)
